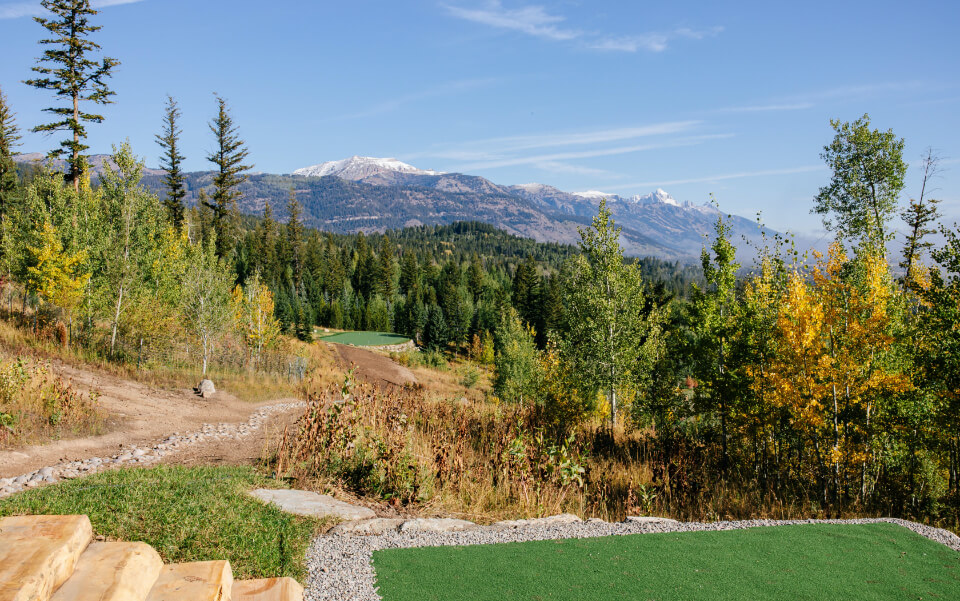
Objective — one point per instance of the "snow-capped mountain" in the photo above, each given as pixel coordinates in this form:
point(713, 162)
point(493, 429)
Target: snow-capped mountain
point(357, 168)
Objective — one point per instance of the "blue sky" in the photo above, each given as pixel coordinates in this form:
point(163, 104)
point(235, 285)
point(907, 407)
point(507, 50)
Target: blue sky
point(729, 98)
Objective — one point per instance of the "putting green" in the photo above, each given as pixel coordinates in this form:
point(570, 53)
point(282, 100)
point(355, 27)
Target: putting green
point(869, 562)
point(364, 338)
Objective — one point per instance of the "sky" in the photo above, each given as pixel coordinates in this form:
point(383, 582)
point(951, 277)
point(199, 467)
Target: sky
point(732, 99)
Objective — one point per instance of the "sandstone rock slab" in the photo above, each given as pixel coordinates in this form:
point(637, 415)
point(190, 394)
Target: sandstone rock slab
point(38, 553)
point(311, 504)
point(553, 520)
point(112, 572)
point(648, 519)
point(196, 581)
point(267, 589)
point(436, 525)
point(373, 527)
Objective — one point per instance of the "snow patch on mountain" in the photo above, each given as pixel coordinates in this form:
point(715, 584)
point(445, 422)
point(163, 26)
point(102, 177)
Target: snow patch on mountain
point(594, 194)
point(357, 167)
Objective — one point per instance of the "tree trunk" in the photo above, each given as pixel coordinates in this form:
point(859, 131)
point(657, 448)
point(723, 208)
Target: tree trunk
point(116, 321)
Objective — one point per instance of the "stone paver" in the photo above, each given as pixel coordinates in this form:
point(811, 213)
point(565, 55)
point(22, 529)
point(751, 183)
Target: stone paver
point(311, 504)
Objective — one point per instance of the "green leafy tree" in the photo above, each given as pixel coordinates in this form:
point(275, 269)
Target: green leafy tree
point(611, 340)
point(132, 224)
point(171, 161)
point(865, 186)
point(517, 377)
point(229, 157)
point(206, 298)
point(715, 321)
point(67, 69)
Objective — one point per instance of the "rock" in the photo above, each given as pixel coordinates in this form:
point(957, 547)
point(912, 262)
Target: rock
point(563, 518)
point(372, 527)
point(596, 521)
point(436, 525)
point(648, 519)
point(311, 504)
point(205, 388)
point(5, 482)
point(47, 471)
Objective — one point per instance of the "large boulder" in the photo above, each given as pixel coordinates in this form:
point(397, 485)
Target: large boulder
point(553, 520)
point(205, 388)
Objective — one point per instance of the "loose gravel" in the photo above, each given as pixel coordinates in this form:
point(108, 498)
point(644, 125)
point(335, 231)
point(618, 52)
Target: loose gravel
point(340, 566)
point(133, 455)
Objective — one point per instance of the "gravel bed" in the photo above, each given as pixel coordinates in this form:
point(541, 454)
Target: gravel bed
point(133, 455)
point(340, 568)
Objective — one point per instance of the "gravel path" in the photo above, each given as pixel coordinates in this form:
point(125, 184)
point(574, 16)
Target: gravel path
point(339, 566)
point(133, 455)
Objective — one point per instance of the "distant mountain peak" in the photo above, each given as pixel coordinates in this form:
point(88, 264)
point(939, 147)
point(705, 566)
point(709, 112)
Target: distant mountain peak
point(594, 194)
point(357, 167)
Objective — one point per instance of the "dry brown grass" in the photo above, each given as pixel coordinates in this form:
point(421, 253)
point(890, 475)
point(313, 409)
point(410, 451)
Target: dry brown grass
point(36, 405)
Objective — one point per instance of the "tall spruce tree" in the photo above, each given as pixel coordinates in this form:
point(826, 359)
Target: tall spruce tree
point(170, 161)
point(229, 157)
point(9, 139)
point(69, 71)
point(919, 217)
point(295, 238)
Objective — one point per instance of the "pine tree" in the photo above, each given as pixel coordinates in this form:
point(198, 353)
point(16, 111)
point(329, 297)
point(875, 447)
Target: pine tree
point(72, 75)
point(170, 162)
point(295, 238)
point(266, 242)
point(229, 158)
point(385, 268)
point(9, 138)
point(919, 216)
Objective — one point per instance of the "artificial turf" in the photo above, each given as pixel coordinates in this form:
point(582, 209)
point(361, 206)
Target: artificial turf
point(365, 338)
point(868, 562)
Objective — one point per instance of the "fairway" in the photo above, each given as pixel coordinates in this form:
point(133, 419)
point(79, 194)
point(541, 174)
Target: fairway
point(364, 338)
point(822, 561)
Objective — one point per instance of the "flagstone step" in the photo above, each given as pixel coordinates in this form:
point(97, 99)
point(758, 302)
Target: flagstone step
point(267, 589)
point(197, 581)
point(38, 553)
point(112, 572)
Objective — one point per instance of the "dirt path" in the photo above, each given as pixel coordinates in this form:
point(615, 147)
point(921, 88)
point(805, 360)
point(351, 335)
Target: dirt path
point(139, 415)
point(373, 367)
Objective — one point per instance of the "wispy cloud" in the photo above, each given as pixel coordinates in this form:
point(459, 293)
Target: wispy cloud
point(585, 154)
point(536, 21)
point(532, 20)
point(527, 142)
point(567, 168)
point(491, 149)
point(652, 42)
point(16, 10)
point(444, 89)
point(764, 108)
point(718, 178)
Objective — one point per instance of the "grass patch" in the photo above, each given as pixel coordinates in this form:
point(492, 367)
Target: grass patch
point(364, 338)
point(186, 514)
point(871, 562)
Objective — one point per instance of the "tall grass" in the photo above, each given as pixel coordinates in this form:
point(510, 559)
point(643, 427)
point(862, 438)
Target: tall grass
point(37, 405)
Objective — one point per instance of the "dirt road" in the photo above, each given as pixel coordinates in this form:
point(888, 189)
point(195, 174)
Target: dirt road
point(139, 414)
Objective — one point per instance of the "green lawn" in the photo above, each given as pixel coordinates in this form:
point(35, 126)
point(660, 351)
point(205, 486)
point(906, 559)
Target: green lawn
point(822, 562)
point(364, 338)
point(186, 514)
